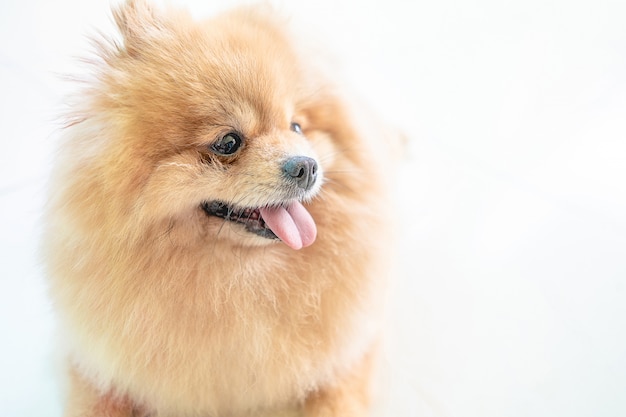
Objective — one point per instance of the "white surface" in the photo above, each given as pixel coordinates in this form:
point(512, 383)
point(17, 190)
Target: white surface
point(512, 300)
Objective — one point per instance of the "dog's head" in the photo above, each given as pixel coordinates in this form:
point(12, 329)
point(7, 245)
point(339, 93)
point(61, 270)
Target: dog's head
point(217, 128)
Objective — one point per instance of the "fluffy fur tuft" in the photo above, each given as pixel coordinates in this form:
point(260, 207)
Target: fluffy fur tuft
point(171, 311)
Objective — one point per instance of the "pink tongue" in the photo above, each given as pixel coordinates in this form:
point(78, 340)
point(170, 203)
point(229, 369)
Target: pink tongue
point(293, 224)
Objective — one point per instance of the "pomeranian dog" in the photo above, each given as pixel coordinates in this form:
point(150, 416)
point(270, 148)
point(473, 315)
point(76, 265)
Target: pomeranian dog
point(217, 235)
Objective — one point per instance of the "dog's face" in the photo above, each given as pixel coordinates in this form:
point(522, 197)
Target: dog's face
point(219, 128)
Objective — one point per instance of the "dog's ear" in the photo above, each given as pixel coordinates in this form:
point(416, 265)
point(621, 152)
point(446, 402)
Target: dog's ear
point(138, 23)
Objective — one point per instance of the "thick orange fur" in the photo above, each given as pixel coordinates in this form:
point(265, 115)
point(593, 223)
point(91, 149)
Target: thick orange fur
point(167, 311)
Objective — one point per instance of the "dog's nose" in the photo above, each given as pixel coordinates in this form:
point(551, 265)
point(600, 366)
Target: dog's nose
point(302, 170)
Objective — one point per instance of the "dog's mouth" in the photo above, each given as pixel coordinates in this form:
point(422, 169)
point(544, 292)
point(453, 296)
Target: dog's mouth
point(290, 223)
point(250, 218)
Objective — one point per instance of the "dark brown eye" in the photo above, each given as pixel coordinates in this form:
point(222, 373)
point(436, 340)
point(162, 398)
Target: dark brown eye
point(296, 128)
point(227, 145)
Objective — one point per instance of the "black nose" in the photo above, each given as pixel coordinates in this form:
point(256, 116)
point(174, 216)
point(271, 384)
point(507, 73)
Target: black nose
point(302, 170)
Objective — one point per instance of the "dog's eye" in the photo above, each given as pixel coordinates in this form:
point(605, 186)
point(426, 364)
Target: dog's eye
point(227, 145)
point(296, 128)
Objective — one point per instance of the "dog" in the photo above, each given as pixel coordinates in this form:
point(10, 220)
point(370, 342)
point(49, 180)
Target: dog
point(217, 235)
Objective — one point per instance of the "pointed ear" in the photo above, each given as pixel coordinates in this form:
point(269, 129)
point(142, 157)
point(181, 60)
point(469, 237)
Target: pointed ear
point(138, 23)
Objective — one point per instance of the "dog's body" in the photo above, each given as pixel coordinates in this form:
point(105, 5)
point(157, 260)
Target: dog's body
point(216, 240)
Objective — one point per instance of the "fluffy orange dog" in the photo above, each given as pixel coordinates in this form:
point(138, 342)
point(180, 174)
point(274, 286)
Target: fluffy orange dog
point(216, 240)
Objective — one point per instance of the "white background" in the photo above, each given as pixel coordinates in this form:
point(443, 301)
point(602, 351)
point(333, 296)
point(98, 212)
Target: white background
point(512, 297)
